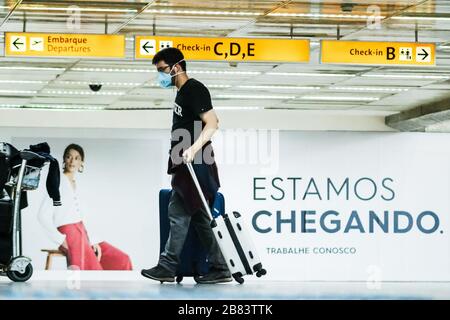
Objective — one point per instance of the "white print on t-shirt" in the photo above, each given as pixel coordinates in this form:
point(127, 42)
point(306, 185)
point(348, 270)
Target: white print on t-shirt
point(177, 109)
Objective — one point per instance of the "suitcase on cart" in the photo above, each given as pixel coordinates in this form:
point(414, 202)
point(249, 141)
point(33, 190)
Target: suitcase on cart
point(6, 213)
point(231, 234)
point(193, 258)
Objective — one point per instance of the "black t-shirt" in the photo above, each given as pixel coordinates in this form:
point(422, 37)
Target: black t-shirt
point(192, 100)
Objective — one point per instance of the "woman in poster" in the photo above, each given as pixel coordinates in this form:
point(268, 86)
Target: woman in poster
point(64, 224)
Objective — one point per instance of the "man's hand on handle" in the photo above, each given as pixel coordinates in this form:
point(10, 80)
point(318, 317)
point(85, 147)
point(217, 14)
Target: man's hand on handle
point(189, 154)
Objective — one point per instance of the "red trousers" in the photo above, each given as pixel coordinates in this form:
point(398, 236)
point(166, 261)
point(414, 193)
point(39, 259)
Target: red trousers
point(81, 255)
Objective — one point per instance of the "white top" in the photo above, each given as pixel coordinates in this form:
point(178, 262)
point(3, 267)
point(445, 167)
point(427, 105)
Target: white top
point(71, 211)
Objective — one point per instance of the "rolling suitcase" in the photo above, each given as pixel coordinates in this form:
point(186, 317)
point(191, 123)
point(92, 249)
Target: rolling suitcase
point(237, 247)
point(193, 258)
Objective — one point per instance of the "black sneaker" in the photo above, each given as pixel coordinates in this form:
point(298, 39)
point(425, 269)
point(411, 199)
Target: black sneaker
point(159, 273)
point(215, 276)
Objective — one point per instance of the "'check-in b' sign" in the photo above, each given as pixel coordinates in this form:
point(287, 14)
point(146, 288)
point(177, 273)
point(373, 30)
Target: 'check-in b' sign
point(226, 49)
point(377, 53)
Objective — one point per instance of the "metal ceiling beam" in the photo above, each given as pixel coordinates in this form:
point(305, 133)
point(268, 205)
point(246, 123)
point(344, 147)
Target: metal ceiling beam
point(10, 13)
point(117, 30)
point(87, 3)
point(399, 12)
point(252, 22)
point(419, 118)
point(395, 14)
point(141, 10)
point(72, 65)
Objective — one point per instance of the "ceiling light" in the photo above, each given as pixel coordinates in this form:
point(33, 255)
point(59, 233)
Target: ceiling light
point(211, 86)
point(329, 98)
point(151, 70)
point(199, 12)
point(236, 108)
point(280, 87)
point(24, 81)
point(10, 106)
point(245, 96)
point(218, 86)
point(22, 8)
point(113, 84)
point(153, 85)
point(33, 68)
point(70, 92)
point(225, 72)
point(379, 89)
point(64, 106)
point(421, 18)
point(405, 76)
point(19, 91)
point(310, 74)
point(320, 15)
point(114, 70)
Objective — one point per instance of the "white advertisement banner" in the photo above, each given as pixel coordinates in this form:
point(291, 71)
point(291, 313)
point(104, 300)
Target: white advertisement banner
point(325, 206)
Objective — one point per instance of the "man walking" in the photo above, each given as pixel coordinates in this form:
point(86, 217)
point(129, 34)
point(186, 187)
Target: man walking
point(192, 110)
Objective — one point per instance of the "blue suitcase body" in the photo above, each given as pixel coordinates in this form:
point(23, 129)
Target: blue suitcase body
point(193, 256)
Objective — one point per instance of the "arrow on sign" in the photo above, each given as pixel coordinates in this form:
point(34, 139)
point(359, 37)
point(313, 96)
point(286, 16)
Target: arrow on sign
point(424, 54)
point(146, 46)
point(16, 43)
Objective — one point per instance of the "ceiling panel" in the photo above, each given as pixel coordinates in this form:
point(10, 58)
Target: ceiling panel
point(130, 84)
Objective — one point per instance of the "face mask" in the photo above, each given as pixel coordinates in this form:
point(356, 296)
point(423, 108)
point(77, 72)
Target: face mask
point(165, 79)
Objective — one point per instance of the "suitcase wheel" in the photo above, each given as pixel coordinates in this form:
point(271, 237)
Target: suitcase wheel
point(261, 272)
point(179, 279)
point(238, 279)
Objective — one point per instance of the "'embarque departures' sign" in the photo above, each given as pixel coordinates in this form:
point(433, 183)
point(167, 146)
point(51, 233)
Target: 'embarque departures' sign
point(226, 49)
point(64, 45)
point(377, 53)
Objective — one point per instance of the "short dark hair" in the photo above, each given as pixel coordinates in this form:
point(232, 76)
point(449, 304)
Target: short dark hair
point(170, 56)
point(75, 147)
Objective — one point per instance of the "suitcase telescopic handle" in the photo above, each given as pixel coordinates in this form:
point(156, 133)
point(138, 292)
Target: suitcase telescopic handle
point(199, 189)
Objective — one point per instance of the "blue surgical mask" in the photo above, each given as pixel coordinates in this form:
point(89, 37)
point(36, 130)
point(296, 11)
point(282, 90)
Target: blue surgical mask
point(165, 79)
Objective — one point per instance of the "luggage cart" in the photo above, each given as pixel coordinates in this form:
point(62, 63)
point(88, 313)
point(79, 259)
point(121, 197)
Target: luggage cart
point(22, 178)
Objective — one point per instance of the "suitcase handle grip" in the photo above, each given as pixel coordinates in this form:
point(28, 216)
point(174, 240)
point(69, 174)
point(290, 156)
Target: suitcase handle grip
point(199, 189)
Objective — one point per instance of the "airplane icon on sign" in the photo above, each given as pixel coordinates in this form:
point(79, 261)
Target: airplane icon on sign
point(36, 44)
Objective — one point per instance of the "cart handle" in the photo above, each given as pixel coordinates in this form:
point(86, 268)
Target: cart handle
point(30, 155)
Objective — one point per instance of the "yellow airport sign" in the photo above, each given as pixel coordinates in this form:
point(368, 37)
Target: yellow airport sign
point(64, 45)
point(377, 53)
point(226, 49)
